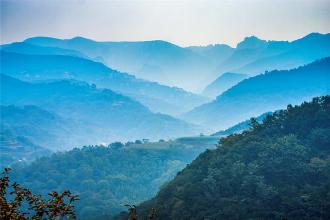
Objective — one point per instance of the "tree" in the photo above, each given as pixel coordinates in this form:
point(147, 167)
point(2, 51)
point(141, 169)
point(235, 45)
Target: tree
point(132, 213)
point(116, 145)
point(58, 206)
point(138, 142)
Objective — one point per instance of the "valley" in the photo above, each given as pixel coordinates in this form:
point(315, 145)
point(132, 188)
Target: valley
point(196, 132)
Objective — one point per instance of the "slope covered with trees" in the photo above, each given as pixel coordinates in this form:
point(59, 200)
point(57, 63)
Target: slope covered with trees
point(278, 169)
point(107, 178)
point(15, 148)
point(50, 131)
point(240, 127)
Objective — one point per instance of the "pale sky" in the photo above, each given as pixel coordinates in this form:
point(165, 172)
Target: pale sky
point(183, 22)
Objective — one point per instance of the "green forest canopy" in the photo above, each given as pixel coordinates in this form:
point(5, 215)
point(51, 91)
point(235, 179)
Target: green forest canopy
point(107, 178)
point(277, 169)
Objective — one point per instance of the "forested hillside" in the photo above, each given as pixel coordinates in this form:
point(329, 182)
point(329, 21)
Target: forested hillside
point(279, 169)
point(108, 177)
point(15, 148)
point(21, 121)
point(164, 110)
point(240, 127)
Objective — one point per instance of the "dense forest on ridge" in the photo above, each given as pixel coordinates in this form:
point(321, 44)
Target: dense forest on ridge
point(279, 169)
point(108, 177)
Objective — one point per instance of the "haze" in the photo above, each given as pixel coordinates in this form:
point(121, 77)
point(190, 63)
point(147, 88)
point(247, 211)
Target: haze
point(182, 22)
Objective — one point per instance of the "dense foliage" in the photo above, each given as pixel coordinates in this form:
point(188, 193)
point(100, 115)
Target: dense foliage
point(240, 127)
point(107, 178)
point(277, 169)
point(19, 203)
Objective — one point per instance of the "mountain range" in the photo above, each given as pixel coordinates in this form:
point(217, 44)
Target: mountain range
point(50, 131)
point(64, 100)
point(193, 68)
point(94, 115)
point(25, 48)
point(262, 93)
point(157, 60)
point(263, 173)
point(223, 83)
point(18, 149)
point(158, 98)
point(254, 56)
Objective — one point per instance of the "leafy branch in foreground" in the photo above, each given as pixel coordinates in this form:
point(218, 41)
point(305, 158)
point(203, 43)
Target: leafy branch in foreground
point(15, 198)
point(132, 213)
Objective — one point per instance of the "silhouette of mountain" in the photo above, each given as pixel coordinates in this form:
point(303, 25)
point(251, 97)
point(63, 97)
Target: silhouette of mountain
point(215, 53)
point(194, 67)
point(103, 116)
point(157, 60)
point(159, 98)
point(22, 120)
point(39, 127)
point(254, 56)
point(266, 92)
point(26, 48)
point(15, 149)
point(223, 83)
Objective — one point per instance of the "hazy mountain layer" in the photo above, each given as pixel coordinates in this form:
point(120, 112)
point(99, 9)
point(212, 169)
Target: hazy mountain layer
point(41, 127)
point(215, 53)
point(194, 67)
point(263, 93)
point(157, 60)
point(158, 98)
point(26, 48)
point(254, 56)
point(223, 83)
point(18, 149)
point(102, 115)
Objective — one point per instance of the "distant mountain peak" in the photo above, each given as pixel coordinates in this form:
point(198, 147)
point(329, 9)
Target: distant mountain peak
point(81, 39)
point(251, 42)
point(313, 34)
point(226, 74)
point(312, 37)
point(40, 39)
